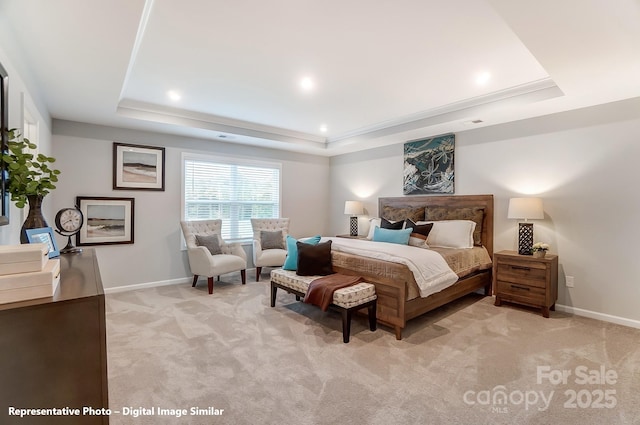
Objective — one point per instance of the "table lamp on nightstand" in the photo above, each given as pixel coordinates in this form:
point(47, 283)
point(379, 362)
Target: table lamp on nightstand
point(527, 209)
point(353, 208)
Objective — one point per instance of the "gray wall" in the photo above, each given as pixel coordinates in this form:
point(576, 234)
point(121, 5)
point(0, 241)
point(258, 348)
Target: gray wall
point(584, 164)
point(21, 98)
point(84, 154)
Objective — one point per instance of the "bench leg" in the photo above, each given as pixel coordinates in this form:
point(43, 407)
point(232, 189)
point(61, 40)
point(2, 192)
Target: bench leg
point(274, 290)
point(372, 316)
point(346, 325)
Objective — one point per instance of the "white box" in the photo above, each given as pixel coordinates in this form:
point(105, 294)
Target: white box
point(23, 258)
point(27, 286)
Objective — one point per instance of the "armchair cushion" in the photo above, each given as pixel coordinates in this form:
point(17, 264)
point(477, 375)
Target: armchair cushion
point(211, 242)
point(271, 240)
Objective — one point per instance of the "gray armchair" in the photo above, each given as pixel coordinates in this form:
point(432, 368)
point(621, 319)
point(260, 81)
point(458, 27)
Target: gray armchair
point(227, 258)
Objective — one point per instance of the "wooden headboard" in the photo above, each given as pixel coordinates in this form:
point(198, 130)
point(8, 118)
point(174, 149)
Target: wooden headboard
point(462, 201)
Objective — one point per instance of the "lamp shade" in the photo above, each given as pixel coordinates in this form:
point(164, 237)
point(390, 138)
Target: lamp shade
point(525, 208)
point(353, 208)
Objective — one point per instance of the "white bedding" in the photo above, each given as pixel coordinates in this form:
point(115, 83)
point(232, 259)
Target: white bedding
point(431, 271)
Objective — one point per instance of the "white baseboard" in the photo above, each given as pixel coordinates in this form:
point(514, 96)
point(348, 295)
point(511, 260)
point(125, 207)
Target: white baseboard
point(147, 285)
point(599, 316)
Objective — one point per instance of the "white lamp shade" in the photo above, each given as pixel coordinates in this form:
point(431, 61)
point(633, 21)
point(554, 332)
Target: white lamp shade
point(525, 208)
point(353, 208)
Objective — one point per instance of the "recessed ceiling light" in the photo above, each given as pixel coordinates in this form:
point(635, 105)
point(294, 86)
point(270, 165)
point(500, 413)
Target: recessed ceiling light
point(483, 78)
point(323, 128)
point(173, 95)
point(307, 84)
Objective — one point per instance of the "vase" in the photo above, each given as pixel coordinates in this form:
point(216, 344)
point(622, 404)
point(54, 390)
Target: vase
point(539, 254)
point(35, 219)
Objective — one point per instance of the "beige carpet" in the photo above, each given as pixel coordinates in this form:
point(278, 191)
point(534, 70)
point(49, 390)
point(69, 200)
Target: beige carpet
point(176, 347)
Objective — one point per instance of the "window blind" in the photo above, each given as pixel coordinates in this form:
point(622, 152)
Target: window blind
point(233, 192)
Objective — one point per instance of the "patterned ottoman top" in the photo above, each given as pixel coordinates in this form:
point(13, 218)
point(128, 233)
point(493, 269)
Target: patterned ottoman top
point(346, 297)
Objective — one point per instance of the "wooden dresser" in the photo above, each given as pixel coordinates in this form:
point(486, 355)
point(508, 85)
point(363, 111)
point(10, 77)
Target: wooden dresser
point(527, 280)
point(53, 351)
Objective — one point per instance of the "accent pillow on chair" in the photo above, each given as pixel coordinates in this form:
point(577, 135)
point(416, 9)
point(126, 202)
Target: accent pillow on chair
point(211, 242)
point(271, 240)
point(314, 259)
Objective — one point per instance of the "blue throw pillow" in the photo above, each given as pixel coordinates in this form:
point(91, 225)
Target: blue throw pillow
point(291, 262)
point(392, 236)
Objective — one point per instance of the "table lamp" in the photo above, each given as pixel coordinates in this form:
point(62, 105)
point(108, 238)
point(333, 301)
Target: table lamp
point(526, 209)
point(353, 208)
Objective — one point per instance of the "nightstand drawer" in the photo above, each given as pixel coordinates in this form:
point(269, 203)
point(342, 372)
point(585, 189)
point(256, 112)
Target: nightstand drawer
point(532, 293)
point(530, 274)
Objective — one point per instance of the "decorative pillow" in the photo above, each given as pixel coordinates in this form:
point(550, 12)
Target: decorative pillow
point(451, 234)
point(392, 236)
point(291, 262)
point(394, 225)
point(314, 259)
point(271, 240)
point(474, 214)
point(373, 223)
point(211, 242)
point(420, 232)
point(402, 213)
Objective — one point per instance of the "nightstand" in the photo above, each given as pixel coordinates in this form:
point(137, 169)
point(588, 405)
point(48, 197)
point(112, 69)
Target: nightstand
point(351, 237)
point(526, 280)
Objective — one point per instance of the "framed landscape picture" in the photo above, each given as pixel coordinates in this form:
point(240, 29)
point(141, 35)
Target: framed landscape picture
point(107, 220)
point(138, 167)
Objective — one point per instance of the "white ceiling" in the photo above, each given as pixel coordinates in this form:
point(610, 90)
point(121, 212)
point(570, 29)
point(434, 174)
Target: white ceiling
point(385, 71)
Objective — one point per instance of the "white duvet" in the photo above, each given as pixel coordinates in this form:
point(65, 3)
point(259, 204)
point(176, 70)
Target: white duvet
point(431, 271)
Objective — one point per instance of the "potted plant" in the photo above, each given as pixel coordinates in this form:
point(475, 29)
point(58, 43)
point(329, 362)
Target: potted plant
point(30, 179)
point(540, 249)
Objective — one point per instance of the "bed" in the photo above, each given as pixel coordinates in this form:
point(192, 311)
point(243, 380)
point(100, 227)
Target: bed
point(398, 300)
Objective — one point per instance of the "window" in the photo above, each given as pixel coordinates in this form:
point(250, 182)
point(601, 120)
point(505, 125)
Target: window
point(232, 190)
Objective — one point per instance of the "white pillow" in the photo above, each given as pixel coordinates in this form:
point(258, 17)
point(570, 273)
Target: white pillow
point(373, 223)
point(451, 233)
point(376, 222)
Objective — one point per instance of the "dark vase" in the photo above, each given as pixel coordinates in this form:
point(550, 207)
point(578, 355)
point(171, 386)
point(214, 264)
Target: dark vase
point(35, 219)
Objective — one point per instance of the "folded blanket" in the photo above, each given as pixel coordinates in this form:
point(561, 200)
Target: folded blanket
point(320, 291)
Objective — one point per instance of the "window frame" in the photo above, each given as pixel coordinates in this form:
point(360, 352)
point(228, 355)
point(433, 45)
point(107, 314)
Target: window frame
point(226, 160)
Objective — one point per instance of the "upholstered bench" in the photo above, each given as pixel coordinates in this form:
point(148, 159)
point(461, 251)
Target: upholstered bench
point(346, 300)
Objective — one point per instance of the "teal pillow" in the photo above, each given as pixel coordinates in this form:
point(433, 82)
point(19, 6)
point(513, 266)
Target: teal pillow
point(291, 262)
point(392, 236)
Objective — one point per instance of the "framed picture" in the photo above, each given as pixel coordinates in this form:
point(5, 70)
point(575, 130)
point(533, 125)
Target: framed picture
point(44, 235)
point(428, 165)
point(138, 167)
point(107, 220)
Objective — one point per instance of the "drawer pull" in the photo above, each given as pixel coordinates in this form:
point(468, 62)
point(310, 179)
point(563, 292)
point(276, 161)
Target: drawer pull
point(525, 288)
point(521, 268)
